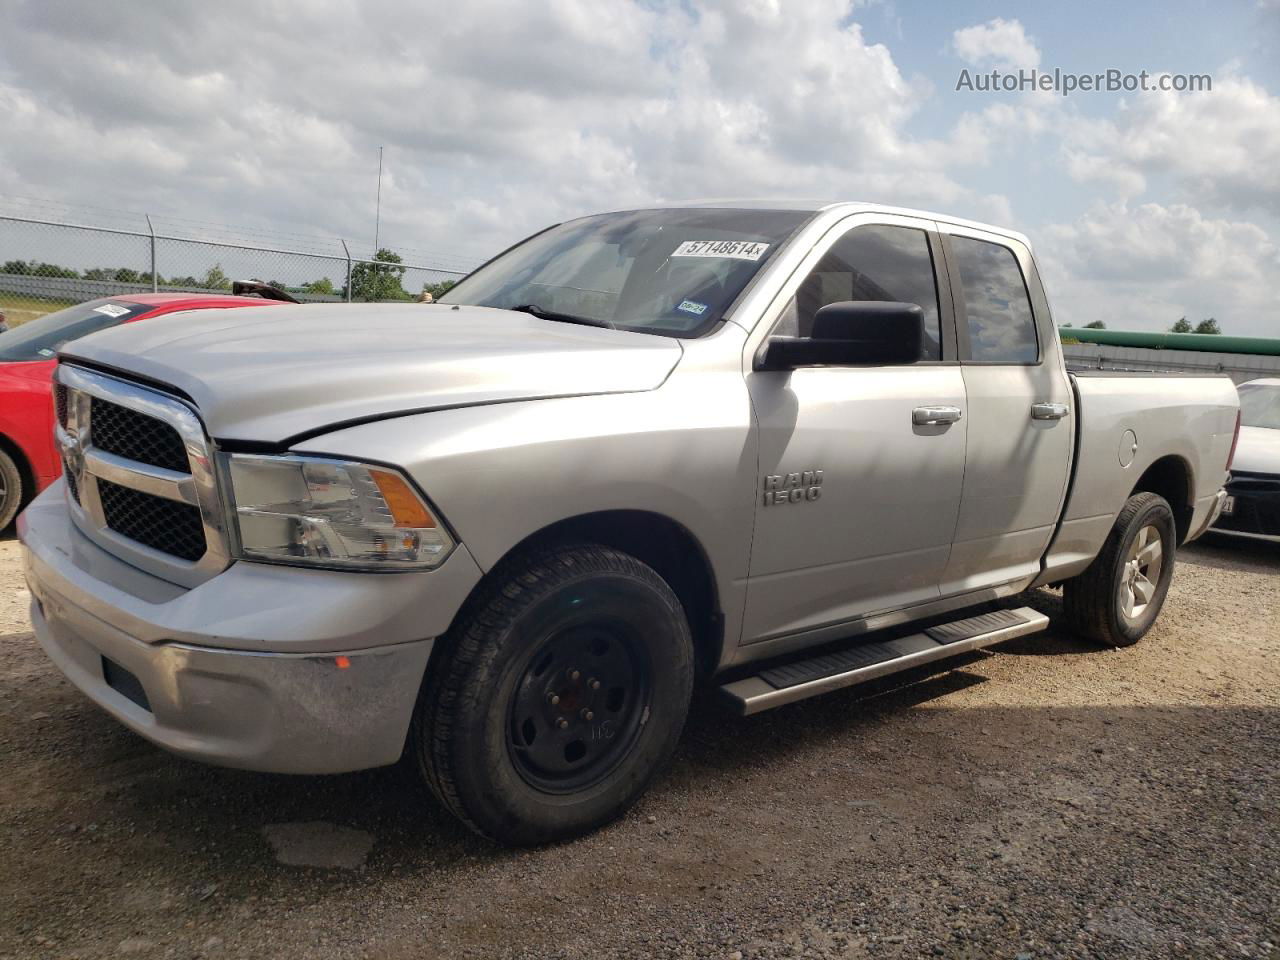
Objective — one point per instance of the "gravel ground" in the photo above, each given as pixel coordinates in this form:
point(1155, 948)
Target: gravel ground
point(1049, 799)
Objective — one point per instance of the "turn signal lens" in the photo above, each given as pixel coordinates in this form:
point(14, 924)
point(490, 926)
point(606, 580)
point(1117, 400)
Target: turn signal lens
point(406, 509)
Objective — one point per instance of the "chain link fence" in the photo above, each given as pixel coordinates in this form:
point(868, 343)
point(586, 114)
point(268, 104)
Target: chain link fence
point(46, 263)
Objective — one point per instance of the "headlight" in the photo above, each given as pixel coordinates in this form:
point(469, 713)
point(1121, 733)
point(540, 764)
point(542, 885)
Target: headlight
point(333, 513)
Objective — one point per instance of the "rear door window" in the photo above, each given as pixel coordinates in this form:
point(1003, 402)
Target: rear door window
point(1001, 326)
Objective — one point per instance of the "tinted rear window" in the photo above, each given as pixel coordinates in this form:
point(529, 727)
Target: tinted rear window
point(997, 308)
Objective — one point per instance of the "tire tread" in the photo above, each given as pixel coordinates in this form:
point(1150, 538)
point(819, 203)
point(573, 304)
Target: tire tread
point(515, 585)
point(1086, 598)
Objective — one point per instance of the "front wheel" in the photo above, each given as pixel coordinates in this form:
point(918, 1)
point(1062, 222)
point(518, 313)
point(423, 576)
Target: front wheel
point(1118, 596)
point(562, 690)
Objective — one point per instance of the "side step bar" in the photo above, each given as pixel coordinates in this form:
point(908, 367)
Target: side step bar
point(866, 661)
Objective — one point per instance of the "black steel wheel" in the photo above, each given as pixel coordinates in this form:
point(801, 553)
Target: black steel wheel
point(579, 706)
point(557, 696)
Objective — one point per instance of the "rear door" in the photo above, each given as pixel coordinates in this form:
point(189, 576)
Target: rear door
point(1019, 412)
point(857, 502)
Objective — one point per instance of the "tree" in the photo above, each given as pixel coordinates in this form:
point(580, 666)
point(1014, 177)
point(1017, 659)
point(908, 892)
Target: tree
point(323, 287)
point(53, 270)
point(1208, 326)
point(1095, 325)
point(20, 267)
point(215, 279)
point(438, 290)
point(125, 275)
point(373, 281)
point(99, 273)
point(1182, 326)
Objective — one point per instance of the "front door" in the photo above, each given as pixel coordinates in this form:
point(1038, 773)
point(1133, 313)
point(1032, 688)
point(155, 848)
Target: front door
point(857, 502)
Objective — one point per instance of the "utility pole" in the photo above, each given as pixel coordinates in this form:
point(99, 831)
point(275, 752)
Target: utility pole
point(377, 217)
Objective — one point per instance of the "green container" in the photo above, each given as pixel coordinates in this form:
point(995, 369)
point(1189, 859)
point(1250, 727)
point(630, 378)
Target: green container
point(1199, 342)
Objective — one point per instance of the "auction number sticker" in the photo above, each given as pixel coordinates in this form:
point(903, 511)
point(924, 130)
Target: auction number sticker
point(730, 249)
point(111, 310)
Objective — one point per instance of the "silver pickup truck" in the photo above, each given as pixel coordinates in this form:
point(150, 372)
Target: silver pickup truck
point(784, 448)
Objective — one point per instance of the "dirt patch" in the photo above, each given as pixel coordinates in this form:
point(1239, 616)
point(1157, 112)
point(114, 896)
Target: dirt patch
point(1048, 799)
point(318, 844)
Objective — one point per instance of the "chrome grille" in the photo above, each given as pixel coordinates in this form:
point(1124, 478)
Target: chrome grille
point(140, 476)
point(135, 436)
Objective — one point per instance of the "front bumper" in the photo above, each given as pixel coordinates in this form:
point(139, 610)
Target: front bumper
point(247, 669)
point(1256, 508)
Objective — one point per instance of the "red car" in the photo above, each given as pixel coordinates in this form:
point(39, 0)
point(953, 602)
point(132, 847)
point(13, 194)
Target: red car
point(28, 458)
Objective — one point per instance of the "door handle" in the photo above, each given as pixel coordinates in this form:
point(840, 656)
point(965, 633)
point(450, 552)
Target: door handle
point(1049, 411)
point(932, 416)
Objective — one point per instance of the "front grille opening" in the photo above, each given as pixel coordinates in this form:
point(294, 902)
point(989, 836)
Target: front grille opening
point(125, 683)
point(165, 525)
point(72, 487)
point(135, 436)
point(60, 403)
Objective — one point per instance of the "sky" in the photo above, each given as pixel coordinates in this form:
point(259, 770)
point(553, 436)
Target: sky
point(499, 118)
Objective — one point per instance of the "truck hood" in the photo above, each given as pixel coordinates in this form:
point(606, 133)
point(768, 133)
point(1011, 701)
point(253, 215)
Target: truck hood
point(1258, 451)
point(276, 375)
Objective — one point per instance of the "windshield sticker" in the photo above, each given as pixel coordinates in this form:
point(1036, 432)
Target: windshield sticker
point(730, 249)
point(111, 310)
point(692, 306)
point(45, 352)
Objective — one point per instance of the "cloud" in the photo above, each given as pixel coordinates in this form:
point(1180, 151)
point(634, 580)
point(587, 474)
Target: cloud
point(497, 119)
point(1221, 147)
point(1141, 267)
point(999, 43)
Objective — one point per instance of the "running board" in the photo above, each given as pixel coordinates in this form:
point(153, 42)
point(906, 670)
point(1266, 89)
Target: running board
point(867, 661)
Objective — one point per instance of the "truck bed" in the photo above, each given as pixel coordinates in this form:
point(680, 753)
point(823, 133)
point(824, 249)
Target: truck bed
point(1130, 423)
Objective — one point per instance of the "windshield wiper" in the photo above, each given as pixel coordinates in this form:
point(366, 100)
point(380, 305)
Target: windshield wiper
point(536, 311)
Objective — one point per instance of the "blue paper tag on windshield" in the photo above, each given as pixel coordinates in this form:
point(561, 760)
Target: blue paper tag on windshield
point(692, 306)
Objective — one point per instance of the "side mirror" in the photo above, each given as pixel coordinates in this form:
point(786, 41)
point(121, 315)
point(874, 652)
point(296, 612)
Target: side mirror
point(851, 333)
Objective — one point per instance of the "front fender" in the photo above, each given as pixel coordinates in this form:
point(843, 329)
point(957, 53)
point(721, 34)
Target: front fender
point(502, 472)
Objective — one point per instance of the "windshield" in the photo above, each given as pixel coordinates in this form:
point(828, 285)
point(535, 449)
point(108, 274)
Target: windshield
point(40, 339)
point(671, 272)
point(1260, 406)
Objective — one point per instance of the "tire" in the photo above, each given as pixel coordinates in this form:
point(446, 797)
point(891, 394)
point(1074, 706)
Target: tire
point(506, 758)
point(1113, 601)
point(11, 490)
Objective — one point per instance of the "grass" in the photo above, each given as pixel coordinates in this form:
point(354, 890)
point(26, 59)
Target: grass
point(18, 309)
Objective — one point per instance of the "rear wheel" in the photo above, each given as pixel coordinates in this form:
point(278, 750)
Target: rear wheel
point(11, 489)
point(561, 692)
point(1118, 597)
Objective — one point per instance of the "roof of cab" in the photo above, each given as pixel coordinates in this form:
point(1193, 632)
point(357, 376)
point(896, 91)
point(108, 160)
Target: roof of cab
point(846, 206)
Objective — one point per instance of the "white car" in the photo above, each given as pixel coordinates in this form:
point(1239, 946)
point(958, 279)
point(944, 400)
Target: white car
point(1252, 507)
